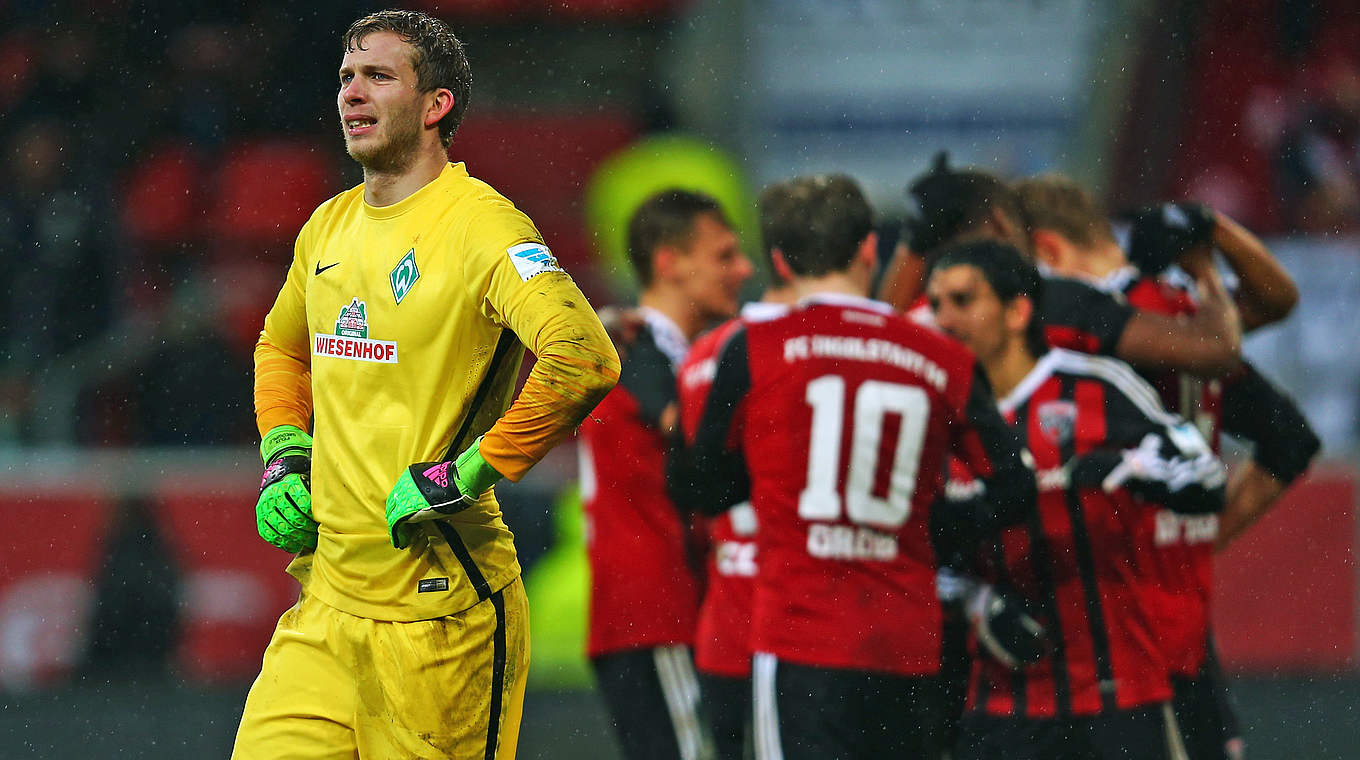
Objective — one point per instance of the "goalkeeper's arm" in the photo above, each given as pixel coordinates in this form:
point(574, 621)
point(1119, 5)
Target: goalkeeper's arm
point(283, 404)
point(576, 367)
point(432, 490)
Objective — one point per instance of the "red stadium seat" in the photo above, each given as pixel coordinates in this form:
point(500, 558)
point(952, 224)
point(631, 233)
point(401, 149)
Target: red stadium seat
point(17, 57)
point(47, 584)
point(244, 291)
point(162, 196)
point(235, 587)
point(267, 189)
point(539, 157)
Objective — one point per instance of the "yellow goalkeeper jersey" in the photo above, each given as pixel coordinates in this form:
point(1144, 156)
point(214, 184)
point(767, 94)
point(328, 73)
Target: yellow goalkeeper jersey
point(412, 320)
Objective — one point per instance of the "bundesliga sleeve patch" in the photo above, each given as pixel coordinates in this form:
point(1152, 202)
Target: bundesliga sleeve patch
point(531, 259)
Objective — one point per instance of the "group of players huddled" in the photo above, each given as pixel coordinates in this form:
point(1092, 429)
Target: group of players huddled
point(950, 522)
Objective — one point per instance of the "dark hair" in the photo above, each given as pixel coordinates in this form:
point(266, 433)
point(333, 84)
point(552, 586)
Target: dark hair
point(816, 222)
point(666, 218)
point(438, 59)
point(952, 203)
point(1058, 203)
point(1010, 275)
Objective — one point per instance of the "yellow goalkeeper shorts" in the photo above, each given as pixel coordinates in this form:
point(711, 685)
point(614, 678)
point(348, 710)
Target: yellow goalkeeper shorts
point(338, 686)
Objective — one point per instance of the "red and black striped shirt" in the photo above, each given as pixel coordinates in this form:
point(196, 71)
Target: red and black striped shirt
point(1085, 561)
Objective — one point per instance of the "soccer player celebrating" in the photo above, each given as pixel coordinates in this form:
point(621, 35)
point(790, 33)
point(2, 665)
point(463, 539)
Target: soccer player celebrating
point(398, 333)
point(1071, 234)
point(644, 595)
point(844, 412)
point(722, 639)
point(962, 205)
point(1109, 459)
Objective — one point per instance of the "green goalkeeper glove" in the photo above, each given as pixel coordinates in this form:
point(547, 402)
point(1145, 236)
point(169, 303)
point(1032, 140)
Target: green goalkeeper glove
point(283, 515)
point(432, 490)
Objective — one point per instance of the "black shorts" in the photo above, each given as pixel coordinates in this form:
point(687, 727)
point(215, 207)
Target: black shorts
point(727, 705)
point(955, 666)
point(653, 699)
point(1205, 713)
point(1145, 733)
point(818, 713)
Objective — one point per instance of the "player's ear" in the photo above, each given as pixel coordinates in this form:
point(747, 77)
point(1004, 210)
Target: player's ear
point(1049, 249)
point(441, 103)
point(866, 257)
point(781, 265)
point(868, 251)
point(1019, 312)
point(665, 260)
point(1006, 228)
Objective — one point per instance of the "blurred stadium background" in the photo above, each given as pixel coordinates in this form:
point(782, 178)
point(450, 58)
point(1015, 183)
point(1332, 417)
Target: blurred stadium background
point(160, 156)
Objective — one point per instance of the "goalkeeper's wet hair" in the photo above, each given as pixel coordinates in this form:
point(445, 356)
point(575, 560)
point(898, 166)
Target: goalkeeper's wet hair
point(666, 218)
point(1057, 202)
point(816, 222)
point(439, 59)
point(1008, 273)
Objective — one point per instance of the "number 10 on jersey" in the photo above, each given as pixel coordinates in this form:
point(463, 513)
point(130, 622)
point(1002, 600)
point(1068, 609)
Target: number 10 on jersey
point(873, 401)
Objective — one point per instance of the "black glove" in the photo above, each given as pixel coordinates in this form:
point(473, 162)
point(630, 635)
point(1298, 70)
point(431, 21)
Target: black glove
point(1159, 235)
point(1003, 625)
point(1005, 628)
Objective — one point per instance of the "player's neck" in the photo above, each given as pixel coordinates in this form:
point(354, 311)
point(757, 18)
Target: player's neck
point(1102, 261)
point(676, 307)
point(781, 293)
point(844, 283)
point(1006, 371)
point(383, 188)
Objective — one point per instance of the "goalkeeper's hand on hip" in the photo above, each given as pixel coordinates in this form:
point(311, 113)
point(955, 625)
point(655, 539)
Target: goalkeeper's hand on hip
point(283, 514)
point(434, 490)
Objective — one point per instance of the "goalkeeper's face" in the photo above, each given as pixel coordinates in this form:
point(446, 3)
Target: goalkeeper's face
point(381, 105)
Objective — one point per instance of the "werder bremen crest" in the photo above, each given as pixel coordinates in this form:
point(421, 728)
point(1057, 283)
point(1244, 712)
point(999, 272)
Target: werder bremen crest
point(405, 275)
point(353, 321)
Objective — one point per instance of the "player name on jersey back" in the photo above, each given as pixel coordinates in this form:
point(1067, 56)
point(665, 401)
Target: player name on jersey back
point(847, 542)
point(1173, 528)
point(358, 349)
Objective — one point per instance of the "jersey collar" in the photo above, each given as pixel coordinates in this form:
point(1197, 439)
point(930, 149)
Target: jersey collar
point(668, 335)
point(762, 311)
point(1031, 382)
point(845, 299)
point(1120, 280)
point(450, 173)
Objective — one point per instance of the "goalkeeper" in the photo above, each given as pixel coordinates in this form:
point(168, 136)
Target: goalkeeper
point(396, 341)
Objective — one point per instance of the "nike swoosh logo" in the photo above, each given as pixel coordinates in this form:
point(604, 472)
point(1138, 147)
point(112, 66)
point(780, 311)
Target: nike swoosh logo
point(320, 269)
